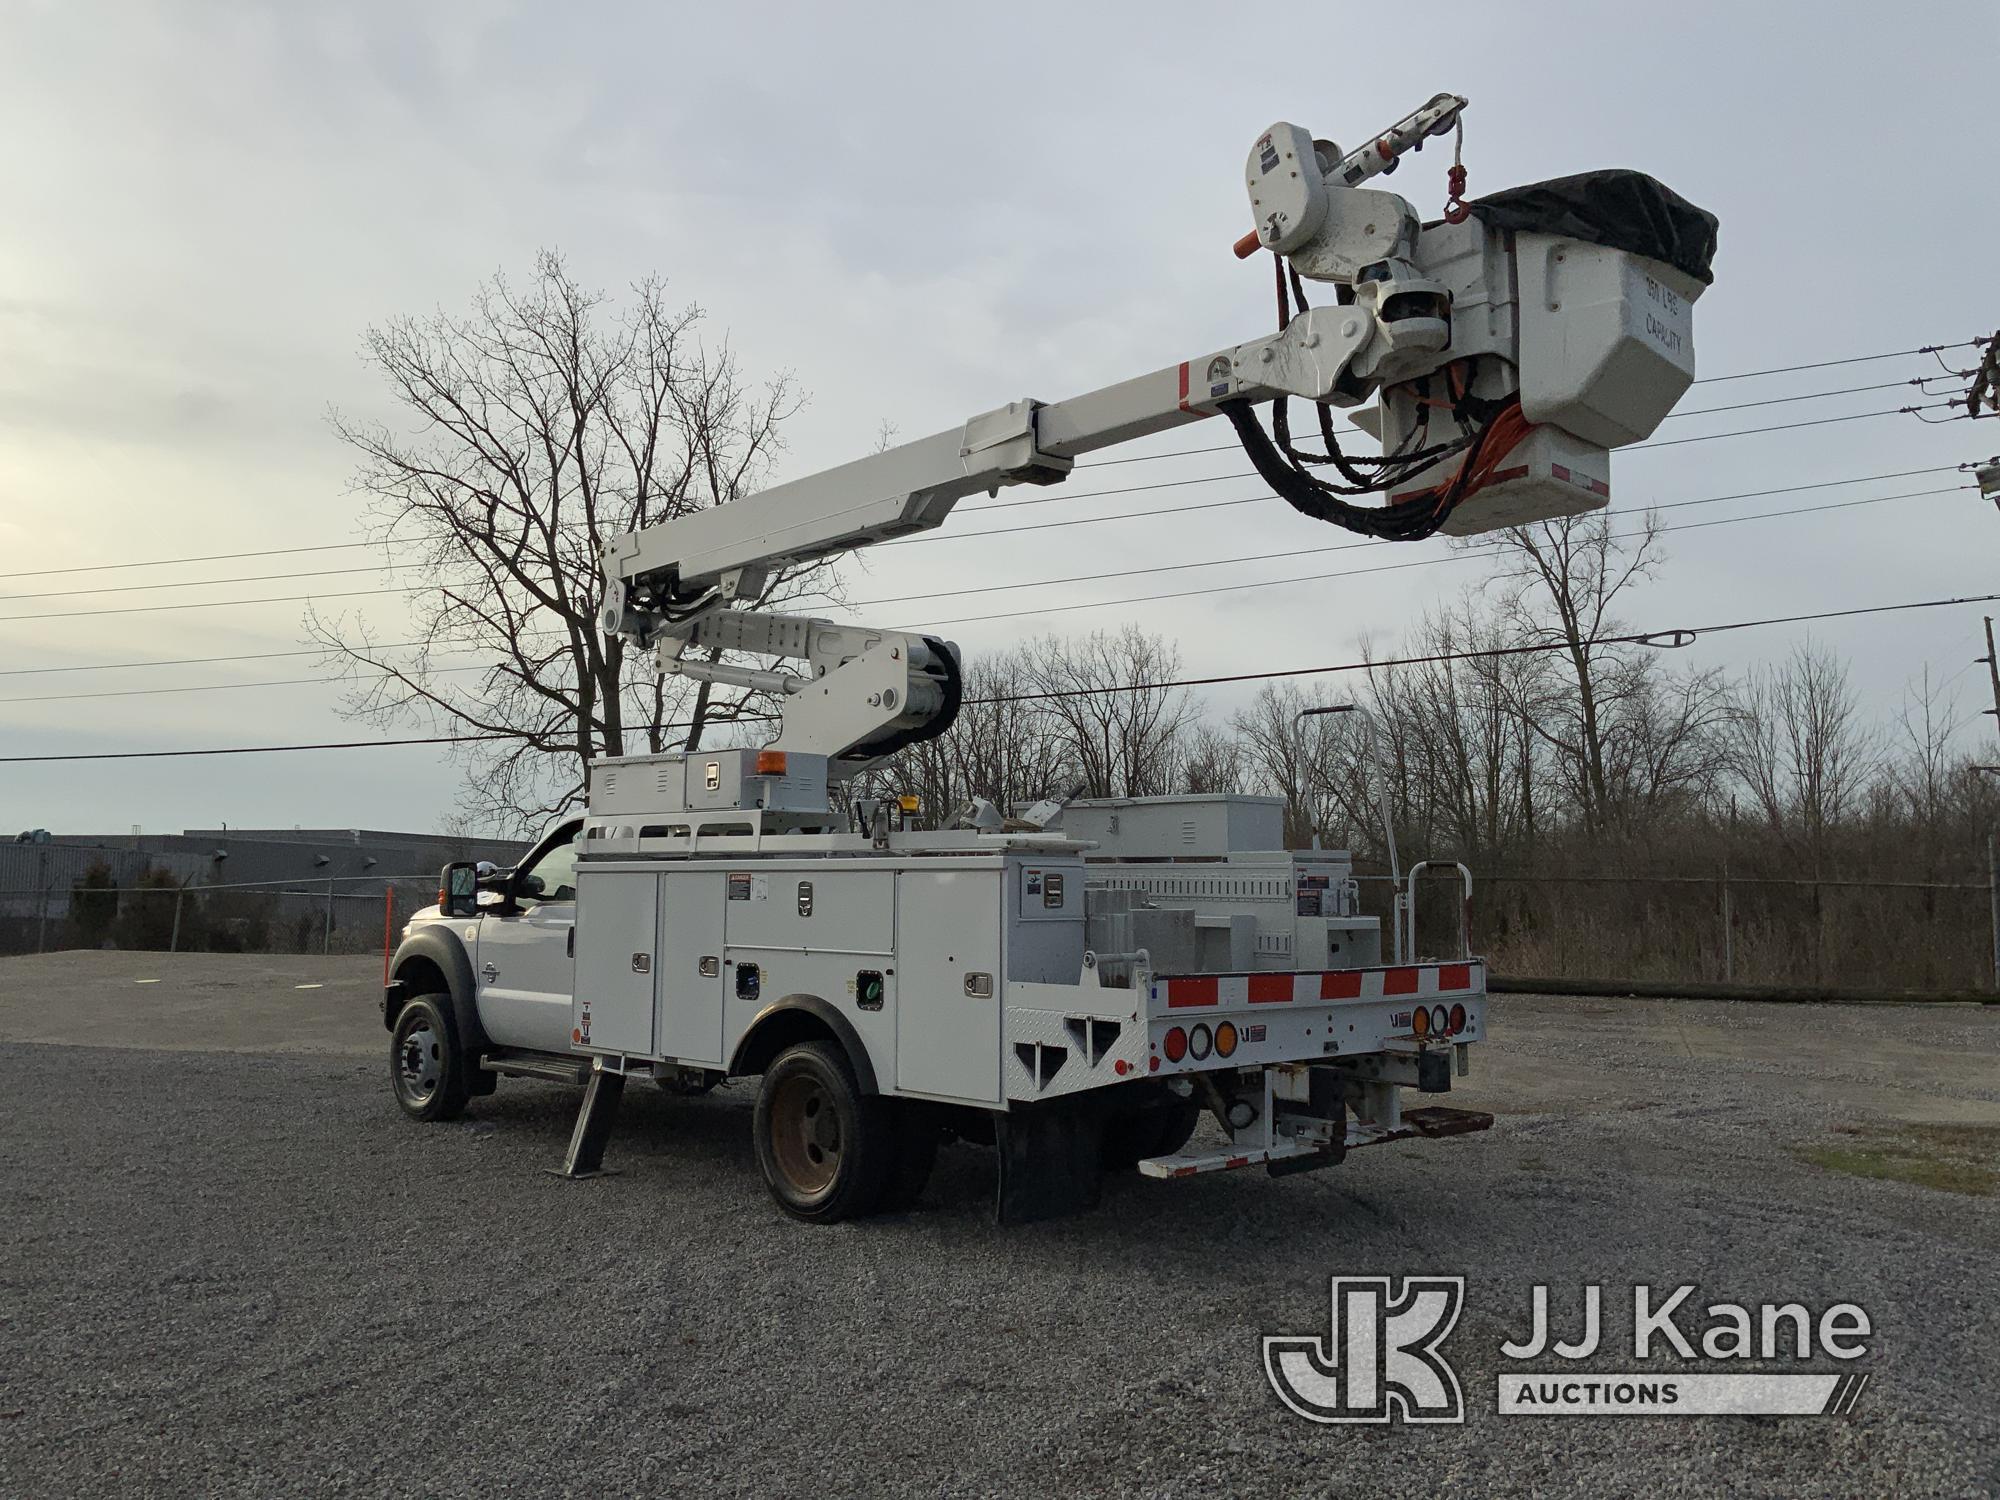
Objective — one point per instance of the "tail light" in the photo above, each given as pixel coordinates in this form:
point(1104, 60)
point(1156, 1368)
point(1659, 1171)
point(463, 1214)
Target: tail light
point(1200, 1043)
point(1440, 1022)
point(1175, 1044)
point(1225, 1039)
point(1420, 1021)
point(1457, 1019)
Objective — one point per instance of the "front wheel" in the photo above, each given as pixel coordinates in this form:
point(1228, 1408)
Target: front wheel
point(825, 1146)
point(427, 1068)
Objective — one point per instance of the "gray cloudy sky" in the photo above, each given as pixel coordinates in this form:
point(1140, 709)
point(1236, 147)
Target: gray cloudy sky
point(921, 211)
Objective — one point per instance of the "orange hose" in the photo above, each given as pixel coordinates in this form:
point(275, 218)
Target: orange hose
point(1508, 429)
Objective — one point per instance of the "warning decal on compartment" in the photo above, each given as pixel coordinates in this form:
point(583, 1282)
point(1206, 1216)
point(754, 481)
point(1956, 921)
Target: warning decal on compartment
point(1312, 895)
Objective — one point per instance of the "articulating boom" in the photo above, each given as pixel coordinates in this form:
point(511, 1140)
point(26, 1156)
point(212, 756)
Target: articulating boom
point(1505, 362)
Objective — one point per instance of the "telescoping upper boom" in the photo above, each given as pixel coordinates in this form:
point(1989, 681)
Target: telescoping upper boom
point(1492, 357)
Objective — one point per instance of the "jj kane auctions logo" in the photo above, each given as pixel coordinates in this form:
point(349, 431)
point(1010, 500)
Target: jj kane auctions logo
point(1382, 1360)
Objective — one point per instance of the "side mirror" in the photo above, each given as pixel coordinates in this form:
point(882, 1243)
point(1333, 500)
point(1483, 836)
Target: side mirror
point(458, 890)
point(529, 885)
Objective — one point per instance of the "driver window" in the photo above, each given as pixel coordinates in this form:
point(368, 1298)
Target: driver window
point(557, 869)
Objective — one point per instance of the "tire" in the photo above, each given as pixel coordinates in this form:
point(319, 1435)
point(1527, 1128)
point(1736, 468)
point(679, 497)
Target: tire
point(827, 1149)
point(428, 1070)
point(918, 1135)
point(1177, 1124)
point(1156, 1130)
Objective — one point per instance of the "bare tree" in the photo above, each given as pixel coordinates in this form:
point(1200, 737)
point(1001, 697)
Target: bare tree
point(1626, 738)
point(1311, 762)
point(1925, 774)
point(1563, 579)
point(1463, 752)
point(1119, 725)
point(1800, 749)
point(1212, 761)
point(1002, 745)
point(537, 425)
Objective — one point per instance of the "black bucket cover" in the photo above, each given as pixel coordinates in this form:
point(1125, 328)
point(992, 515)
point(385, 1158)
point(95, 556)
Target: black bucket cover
point(1622, 210)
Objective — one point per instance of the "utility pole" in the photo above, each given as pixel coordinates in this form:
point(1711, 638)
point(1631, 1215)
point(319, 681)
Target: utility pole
point(1992, 660)
point(1728, 916)
point(42, 899)
point(180, 895)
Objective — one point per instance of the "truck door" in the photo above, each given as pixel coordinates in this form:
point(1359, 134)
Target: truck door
point(526, 961)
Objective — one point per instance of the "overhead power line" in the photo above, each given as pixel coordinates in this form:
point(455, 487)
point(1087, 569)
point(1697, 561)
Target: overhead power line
point(1265, 496)
point(1257, 557)
point(1857, 359)
point(1704, 380)
point(187, 661)
point(167, 562)
point(1258, 499)
point(430, 588)
point(1467, 555)
point(1852, 390)
point(1706, 437)
point(1662, 638)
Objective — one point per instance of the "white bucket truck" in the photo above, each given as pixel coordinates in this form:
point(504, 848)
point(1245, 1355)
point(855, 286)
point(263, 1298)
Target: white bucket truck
point(1081, 986)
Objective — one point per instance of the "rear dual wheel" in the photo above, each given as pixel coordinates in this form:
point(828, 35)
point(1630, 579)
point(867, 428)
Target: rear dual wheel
point(1155, 1130)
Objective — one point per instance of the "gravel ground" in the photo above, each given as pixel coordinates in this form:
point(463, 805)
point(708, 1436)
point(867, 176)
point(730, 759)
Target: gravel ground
point(245, 1273)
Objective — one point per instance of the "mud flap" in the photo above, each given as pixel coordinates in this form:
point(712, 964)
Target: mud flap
point(1049, 1160)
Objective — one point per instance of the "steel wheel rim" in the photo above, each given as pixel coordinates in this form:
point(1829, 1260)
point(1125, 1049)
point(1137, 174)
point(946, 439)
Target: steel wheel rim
point(805, 1134)
point(419, 1062)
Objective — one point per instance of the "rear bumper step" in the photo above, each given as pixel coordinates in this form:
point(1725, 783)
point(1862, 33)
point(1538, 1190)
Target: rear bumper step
point(1289, 1154)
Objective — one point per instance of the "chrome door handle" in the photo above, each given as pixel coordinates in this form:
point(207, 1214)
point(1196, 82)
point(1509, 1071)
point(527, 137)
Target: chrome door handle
point(490, 972)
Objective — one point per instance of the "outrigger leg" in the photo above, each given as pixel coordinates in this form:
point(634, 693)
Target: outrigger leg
point(593, 1125)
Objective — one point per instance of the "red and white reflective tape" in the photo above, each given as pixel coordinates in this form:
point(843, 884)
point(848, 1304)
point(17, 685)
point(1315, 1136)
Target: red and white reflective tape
point(1582, 481)
point(1426, 980)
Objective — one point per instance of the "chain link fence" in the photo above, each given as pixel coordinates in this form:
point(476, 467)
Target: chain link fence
point(354, 914)
point(1730, 929)
point(1742, 929)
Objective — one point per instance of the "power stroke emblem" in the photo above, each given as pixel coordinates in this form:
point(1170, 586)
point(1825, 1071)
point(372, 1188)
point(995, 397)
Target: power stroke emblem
point(1380, 1361)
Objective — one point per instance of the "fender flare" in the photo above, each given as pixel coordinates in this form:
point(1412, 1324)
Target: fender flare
point(438, 943)
point(842, 1029)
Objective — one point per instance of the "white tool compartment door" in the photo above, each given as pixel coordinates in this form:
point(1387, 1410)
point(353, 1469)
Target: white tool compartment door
point(616, 960)
point(691, 911)
point(948, 1041)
